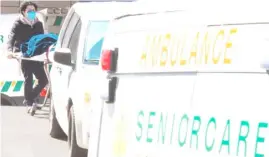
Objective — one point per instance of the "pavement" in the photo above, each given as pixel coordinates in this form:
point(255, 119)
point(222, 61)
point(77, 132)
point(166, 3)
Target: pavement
point(25, 136)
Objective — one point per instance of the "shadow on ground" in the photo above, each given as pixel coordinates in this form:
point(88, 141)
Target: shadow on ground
point(28, 136)
point(43, 113)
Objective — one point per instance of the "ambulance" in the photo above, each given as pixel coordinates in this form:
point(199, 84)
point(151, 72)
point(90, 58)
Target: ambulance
point(76, 79)
point(186, 82)
point(11, 78)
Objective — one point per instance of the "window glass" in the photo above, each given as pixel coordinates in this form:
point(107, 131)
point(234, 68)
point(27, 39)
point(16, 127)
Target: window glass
point(73, 45)
point(69, 30)
point(66, 22)
point(94, 40)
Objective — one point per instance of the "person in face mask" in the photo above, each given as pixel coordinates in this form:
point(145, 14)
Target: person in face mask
point(26, 26)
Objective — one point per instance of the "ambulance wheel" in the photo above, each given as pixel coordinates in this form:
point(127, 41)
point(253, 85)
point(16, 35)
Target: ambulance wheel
point(74, 149)
point(55, 129)
point(5, 102)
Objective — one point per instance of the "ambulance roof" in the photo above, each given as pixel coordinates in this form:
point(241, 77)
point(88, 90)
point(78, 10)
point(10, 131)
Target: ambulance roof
point(101, 10)
point(228, 11)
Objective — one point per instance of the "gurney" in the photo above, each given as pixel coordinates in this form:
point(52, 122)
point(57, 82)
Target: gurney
point(40, 58)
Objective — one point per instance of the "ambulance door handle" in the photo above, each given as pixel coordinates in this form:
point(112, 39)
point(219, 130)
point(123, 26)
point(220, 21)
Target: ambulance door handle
point(112, 86)
point(113, 81)
point(59, 70)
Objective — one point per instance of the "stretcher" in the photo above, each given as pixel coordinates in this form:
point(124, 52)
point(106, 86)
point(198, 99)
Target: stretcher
point(39, 58)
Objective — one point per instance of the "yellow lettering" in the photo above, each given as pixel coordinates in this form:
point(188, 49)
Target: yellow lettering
point(151, 51)
point(154, 47)
point(193, 53)
point(163, 56)
point(173, 53)
point(145, 50)
point(164, 51)
point(229, 46)
point(205, 49)
point(219, 47)
point(181, 47)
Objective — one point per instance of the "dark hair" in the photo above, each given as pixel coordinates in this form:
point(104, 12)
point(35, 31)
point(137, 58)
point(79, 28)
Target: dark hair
point(24, 5)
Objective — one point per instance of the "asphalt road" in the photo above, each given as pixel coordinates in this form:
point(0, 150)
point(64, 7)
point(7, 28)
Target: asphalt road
point(25, 136)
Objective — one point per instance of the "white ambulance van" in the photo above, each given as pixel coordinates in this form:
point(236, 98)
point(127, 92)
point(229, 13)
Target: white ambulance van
point(10, 70)
point(187, 83)
point(11, 77)
point(75, 76)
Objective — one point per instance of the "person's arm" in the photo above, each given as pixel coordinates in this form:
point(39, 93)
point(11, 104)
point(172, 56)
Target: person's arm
point(12, 37)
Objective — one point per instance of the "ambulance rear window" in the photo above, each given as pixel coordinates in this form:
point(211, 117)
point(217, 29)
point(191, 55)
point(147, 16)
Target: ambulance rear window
point(94, 40)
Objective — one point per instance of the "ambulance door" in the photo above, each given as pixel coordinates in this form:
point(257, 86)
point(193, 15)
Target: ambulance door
point(153, 96)
point(231, 94)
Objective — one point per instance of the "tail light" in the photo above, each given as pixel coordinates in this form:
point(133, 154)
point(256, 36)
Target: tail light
point(106, 60)
point(43, 93)
point(109, 60)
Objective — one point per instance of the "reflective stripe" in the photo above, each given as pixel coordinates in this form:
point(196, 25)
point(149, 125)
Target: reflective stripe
point(13, 86)
point(13, 83)
point(1, 85)
point(6, 86)
point(18, 86)
point(58, 21)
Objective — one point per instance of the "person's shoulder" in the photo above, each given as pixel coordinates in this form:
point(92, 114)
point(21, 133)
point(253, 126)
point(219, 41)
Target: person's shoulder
point(39, 23)
point(17, 21)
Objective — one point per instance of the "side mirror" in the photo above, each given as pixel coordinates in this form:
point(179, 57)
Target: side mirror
point(63, 56)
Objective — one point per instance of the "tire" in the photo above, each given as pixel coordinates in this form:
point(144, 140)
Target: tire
point(74, 149)
point(55, 129)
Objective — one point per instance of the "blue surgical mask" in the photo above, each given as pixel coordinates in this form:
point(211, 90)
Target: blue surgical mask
point(31, 15)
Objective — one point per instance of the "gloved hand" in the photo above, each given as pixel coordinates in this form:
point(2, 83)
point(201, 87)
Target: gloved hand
point(10, 55)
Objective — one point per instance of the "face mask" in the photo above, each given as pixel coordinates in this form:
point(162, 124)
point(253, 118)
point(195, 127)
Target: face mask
point(31, 15)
